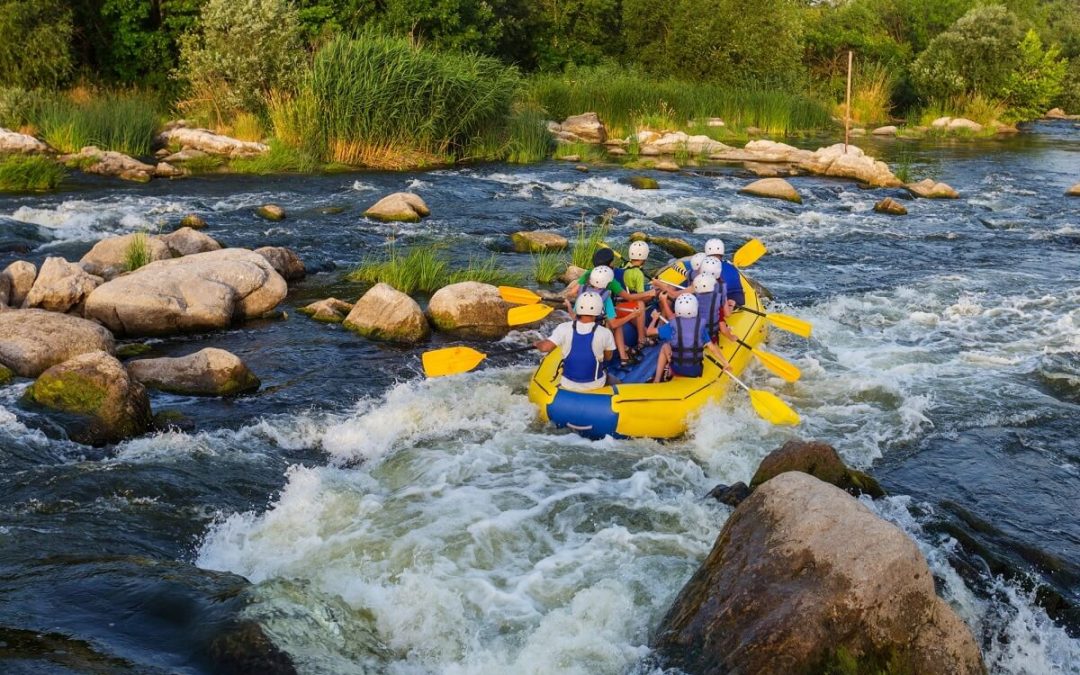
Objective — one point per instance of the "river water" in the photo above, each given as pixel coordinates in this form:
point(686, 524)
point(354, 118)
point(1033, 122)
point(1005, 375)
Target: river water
point(375, 522)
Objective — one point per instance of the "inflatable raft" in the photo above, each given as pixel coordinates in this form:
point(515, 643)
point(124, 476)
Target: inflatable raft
point(646, 410)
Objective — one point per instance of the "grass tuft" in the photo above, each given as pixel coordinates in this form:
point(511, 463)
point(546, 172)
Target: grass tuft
point(19, 173)
point(589, 238)
point(422, 270)
point(137, 252)
point(547, 266)
point(486, 271)
point(280, 158)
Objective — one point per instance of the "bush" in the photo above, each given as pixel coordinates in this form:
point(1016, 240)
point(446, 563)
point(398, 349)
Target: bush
point(1037, 80)
point(20, 173)
point(19, 107)
point(35, 39)
point(123, 122)
point(242, 50)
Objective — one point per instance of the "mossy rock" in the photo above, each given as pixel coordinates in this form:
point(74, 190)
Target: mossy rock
point(643, 183)
point(132, 350)
point(6, 375)
point(271, 212)
point(679, 248)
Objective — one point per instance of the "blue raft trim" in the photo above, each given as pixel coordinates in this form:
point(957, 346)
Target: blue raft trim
point(587, 414)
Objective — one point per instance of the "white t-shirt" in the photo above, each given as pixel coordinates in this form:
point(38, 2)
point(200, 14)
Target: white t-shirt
point(603, 341)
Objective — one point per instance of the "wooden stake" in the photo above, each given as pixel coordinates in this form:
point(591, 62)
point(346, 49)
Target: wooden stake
point(847, 104)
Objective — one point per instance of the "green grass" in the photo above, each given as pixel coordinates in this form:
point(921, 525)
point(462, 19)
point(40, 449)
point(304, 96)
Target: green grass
point(19, 173)
point(588, 152)
point(423, 269)
point(547, 266)
point(280, 158)
point(530, 141)
point(137, 252)
point(588, 238)
point(486, 271)
point(203, 164)
point(123, 122)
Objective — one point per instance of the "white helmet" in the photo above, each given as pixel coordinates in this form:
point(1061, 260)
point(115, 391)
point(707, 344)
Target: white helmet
point(686, 306)
point(704, 283)
point(695, 260)
point(589, 304)
point(714, 247)
point(712, 267)
point(639, 250)
point(601, 276)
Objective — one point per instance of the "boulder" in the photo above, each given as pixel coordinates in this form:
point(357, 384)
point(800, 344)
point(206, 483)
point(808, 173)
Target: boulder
point(17, 279)
point(570, 158)
point(582, 168)
point(647, 136)
point(330, 310)
point(941, 123)
point(101, 403)
point(193, 221)
point(166, 170)
point(679, 248)
point(849, 162)
point(110, 163)
point(1005, 129)
point(404, 207)
point(775, 188)
point(584, 128)
point(1055, 114)
point(6, 375)
point(930, 189)
point(666, 165)
point(285, 260)
point(185, 155)
point(108, 258)
point(205, 291)
point(385, 313)
point(805, 579)
point(889, 130)
point(648, 151)
point(891, 207)
point(538, 241)
point(1074, 191)
point(469, 310)
point(271, 212)
point(33, 340)
point(677, 141)
point(12, 142)
point(61, 286)
point(210, 143)
point(960, 123)
point(643, 183)
point(207, 372)
point(821, 461)
point(764, 151)
point(731, 495)
point(187, 241)
point(571, 274)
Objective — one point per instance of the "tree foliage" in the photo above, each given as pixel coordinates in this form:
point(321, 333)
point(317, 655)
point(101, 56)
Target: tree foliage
point(35, 43)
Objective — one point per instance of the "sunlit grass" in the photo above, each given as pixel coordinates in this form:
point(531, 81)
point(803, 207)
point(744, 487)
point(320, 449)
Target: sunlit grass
point(547, 266)
point(19, 173)
point(588, 238)
point(124, 122)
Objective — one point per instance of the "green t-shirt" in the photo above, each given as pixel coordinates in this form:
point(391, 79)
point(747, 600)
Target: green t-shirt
point(615, 287)
point(634, 279)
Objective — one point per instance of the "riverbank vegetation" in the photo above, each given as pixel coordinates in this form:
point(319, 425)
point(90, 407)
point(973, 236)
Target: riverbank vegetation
point(404, 83)
point(29, 174)
point(427, 268)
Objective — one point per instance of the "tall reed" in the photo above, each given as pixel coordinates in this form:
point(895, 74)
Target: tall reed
point(589, 238)
point(124, 122)
point(20, 173)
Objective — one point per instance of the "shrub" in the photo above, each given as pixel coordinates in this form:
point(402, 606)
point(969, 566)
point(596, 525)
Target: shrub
point(137, 252)
point(124, 122)
point(241, 50)
point(1037, 80)
point(35, 39)
point(19, 107)
point(871, 98)
point(20, 173)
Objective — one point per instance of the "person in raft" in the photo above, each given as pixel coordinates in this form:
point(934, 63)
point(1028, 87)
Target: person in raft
point(711, 304)
point(585, 345)
point(685, 337)
point(634, 280)
point(601, 279)
point(736, 297)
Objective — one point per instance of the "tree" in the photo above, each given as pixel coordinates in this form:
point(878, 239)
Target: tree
point(35, 43)
point(1037, 80)
point(581, 32)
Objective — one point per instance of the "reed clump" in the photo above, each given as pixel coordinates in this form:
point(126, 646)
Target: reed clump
point(22, 173)
point(122, 121)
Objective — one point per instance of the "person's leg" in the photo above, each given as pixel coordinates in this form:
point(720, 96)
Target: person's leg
point(639, 323)
point(661, 363)
point(620, 342)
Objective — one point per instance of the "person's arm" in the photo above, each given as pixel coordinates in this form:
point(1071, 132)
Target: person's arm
point(718, 354)
point(653, 329)
point(545, 346)
point(609, 309)
point(665, 308)
point(620, 320)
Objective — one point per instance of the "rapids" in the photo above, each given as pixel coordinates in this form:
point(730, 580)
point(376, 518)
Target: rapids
point(375, 522)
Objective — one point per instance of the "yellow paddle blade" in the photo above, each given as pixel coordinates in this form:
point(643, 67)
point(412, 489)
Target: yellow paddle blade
point(772, 409)
point(518, 296)
point(672, 276)
point(749, 253)
point(451, 361)
point(778, 365)
point(518, 316)
point(790, 324)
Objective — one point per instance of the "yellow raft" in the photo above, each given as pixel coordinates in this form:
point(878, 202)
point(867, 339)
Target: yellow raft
point(647, 410)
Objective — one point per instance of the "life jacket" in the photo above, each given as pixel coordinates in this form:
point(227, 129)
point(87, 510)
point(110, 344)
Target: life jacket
point(620, 274)
point(604, 294)
point(733, 281)
point(709, 304)
point(687, 349)
point(581, 364)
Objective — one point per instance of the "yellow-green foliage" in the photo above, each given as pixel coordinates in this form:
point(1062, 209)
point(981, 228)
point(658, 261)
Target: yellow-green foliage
point(20, 173)
point(137, 252)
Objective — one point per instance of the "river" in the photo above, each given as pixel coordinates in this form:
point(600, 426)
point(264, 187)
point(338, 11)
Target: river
point(375, 522)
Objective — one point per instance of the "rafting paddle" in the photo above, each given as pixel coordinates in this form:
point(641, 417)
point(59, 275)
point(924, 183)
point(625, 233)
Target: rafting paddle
point(519, 316)
point(768, 406)
point(749, 253)
point(455, 360)
point(783, 322)
point(776, 364)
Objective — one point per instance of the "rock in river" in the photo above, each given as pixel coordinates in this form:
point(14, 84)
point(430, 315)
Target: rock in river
point(891, 207)
point(207, 372)
point(188, 241)
point(469, 310)
point(271, 212)
point(583, 128)
point(33, 340)
point(14, 142)
point(404, 207)
point(16, 280)
point(929, 189)
point(197, 292)
point(538, 241)
point(1074, 191)
point(108, 257)
point(285, 260)
point(804, 578)
point(385, 313)
point(61, 286)
point(330, 310)
point(821, 461)
point(776, 188)
point(643, 183)
point(101, 403)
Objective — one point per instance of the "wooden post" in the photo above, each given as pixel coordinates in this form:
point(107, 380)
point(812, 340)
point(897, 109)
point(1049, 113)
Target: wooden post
point(847, 104)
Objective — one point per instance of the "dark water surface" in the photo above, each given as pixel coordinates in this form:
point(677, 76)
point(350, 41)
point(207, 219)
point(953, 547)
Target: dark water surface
point(374, 522)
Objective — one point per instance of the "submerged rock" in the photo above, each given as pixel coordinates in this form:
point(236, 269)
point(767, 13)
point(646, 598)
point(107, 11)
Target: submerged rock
point(804, 579)
point(404, 207)
point(891, 207)
point(285, 260)
point(61, 286)
point(16, 281)
point(245, 648)
point(271, 212)
point(470, 310)
point(732, 495)
point(385, 313)
point(538, 241)
point(821, 461)
point(101, 403)
point(643, 183)
point(108, 258)
point(33, 340)
point(330, 310)
point(929, 189)
point(775, 188)
point(207, 372)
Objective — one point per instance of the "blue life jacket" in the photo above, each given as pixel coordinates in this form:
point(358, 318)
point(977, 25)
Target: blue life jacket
point(709, 304)
point(620, 274)
point(733, 281)
point(605, 294)
point(687, 349)
point(581, 365)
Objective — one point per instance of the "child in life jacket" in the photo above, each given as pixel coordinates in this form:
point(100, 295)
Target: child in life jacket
point(601, 280)
point(685, 339)
point(585, 345)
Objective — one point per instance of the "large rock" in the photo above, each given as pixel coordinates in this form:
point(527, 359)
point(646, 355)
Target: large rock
point(584, 128)
point(764, 151)
point(61, 286)
point(821, 461)
point(680, 248)
point(193, 221)
point(207, 372)
point(271, 212)
point(470, 310)
point(775, 188)
point(404, 207)
point(108, 258)
point(1074, 191)
point(891, 207)
point(888, 130)
point(805, 579)
point(205, 291)
point(850, 163)
point(188, 241)
point(678, 141)
point(12, 142)
point(210, 143)
point(110, 163)
point(330, 310)
point(930, 189)
point(538, 241)
point(33, 340)
point(16, 280)
point(960, 123)
point(285, 260)
point(385, 313)
point(643, 183)
point(101, 403)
